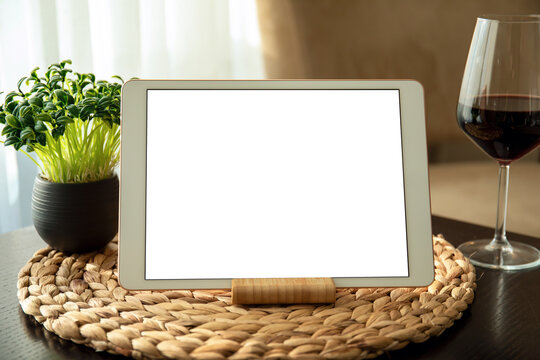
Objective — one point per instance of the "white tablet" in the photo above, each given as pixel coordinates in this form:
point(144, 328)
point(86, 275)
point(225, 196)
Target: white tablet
point(273, 179)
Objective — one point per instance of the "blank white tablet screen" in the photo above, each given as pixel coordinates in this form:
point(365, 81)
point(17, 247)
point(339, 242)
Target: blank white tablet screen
point(274, 183)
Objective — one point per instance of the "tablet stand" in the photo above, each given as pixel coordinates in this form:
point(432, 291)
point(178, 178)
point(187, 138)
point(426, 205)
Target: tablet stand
point(283, 291)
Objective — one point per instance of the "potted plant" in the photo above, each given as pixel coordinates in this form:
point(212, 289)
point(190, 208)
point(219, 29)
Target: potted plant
point(72, 122)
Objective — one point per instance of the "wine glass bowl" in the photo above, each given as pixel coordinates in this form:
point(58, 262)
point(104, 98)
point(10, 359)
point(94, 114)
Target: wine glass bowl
point(499, 110)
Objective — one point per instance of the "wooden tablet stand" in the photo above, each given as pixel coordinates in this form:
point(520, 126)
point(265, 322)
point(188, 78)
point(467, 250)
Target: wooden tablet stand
point(283, 291)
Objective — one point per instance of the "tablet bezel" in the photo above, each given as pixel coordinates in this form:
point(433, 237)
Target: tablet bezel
point(131, 254)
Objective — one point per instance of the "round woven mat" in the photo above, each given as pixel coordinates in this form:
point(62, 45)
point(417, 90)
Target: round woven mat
point(78, 298)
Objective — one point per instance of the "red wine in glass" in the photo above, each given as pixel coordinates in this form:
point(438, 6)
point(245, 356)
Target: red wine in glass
point(505, 126)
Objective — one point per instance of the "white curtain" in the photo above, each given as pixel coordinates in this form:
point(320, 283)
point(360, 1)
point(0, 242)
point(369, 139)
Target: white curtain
point(153, 39)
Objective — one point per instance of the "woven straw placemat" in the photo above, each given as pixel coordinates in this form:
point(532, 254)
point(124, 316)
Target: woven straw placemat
point(78, 298)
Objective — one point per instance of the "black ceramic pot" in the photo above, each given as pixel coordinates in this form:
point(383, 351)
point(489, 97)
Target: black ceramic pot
point(76, 217)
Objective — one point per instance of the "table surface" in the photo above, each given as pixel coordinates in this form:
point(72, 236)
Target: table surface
point(502, 323)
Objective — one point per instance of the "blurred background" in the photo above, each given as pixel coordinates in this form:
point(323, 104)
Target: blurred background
point(426, 40)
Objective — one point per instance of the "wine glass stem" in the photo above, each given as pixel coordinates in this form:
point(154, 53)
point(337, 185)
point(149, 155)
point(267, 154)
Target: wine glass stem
point(499, 240)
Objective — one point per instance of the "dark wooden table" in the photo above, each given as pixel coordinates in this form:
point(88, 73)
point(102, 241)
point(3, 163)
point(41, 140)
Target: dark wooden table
point(502, 323)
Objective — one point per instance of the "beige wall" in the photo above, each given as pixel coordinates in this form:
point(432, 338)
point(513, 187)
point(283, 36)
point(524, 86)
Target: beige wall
point(427, 40)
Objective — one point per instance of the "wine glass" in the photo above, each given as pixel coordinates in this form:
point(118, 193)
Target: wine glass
point(499, 110)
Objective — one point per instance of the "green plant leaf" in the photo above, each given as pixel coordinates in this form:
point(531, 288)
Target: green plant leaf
point(45, 117)
point(64, 62)
point(41, 139)
point(40, 126)
point(39, 90)
point(9, 97)
point(28, 119)
point(37, 86)
point(34, 75)
point(10, 107)
point(102, 114)
point(13, 121)
point(28, 133)
point(118, 77)
point(29, 148)
point(85, 112)
point(91, 93)
point(64, 120)
point(58, 113)
point(84, 84)
point(55, 79)
point(49, 106)
point(42, 93)
point(20, 82)
point(58, 131)
point(70, 99)
point(73, 110)
point(36, 101)
point(11, 140)
point(104, 102)
point(24, 109)
point(74, 87)
point(64, 72)
point(61, 95)
point(7, 130)
point(20, 106)
point(92, 101)
point(15, 110)
point(2, 118)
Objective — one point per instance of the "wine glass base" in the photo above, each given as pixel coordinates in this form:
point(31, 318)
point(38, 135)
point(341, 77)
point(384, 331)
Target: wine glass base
point(485, 253)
